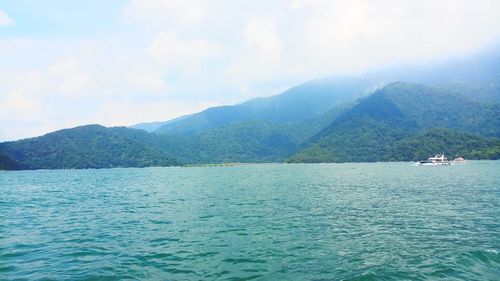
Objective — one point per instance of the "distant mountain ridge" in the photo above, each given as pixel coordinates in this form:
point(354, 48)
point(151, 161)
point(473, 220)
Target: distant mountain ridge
point(449, 107)
point(476, 75)
point(369, 131)
point(90, 146)
point(300, 103)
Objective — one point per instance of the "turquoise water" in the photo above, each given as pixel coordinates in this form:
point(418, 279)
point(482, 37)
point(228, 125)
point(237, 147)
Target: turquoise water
point(380, 221)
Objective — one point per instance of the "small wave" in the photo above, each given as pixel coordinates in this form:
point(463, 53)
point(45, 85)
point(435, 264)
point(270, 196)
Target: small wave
point(243, 260)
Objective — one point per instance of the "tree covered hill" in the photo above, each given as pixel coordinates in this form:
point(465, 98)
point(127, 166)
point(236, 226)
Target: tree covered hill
point(452, 143)
point(399, 122)
point(476, 76)
point(299, 104)
point(91, 146)
point(96, 146)
point(370, 130)
point(6, 163)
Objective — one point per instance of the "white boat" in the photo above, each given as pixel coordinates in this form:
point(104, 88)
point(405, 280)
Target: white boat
point(438, 160)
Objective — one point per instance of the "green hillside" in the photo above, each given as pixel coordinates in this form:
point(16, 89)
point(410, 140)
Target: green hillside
point(452, 143)
point(6, 163)
point(370, 130)
point(476, 76)
point(400, 122)
point(299, 104)
point(91, 146)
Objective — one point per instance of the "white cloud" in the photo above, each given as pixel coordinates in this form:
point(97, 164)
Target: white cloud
point(118, 113)
point(262, 36)
point(5, 20)
point(297, 4)
point(355, 35)
point(20, 115)
point(162, 55)
point(175, 53)
point(150, 81)
point(62, 67)
point(20, 105)
point(155, 13)
point(74, 85)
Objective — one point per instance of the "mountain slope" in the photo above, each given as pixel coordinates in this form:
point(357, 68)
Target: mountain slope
point(369, 130)
point(153, 126)
point(453, 144)
point(6, 163)
point(247, 141)
point(300, 103)
point(300, 124)
point(434, 107)
point(476, 75)
point(91, 146)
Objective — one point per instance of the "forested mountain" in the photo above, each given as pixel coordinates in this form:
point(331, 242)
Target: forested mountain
point(6, 163)
point(298, 104)
point(369, 131)
point(153, 126)
point(401, 121)
point(91, 146)
point(449, 107)
point(96, 146)
point(452, 143)
point(476, 76)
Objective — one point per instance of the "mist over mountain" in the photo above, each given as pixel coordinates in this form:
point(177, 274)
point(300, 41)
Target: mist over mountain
point(371, 129)
point(394, 114)
point(476, 75)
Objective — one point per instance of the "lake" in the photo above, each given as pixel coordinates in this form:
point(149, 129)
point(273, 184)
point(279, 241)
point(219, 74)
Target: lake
point(373, 221)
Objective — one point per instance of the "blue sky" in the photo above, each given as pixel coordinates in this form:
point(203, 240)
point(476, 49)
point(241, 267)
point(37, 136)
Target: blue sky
point(69, 63)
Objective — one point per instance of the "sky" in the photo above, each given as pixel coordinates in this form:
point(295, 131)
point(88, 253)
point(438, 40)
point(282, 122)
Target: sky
point(121, 62)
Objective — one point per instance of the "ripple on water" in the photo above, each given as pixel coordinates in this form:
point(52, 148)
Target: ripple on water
point(384, 221)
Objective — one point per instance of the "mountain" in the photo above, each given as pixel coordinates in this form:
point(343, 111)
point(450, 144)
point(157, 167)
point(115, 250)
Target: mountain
point(153, 126)
point(148, 126)
point(476, 75)
point(450, 106)
point(452, 143)
point(298, 104)
point(247, 141)
point(96, 146)
point(401, 121)
point(370, 129)
point(6, 163)
point(91, 146)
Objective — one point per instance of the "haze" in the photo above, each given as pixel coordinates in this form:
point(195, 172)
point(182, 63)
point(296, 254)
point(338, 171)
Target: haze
point(71, 63)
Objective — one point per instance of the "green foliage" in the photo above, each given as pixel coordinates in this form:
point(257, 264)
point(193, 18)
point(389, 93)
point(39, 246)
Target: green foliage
point(439, 140)
point(399, 122)
point(314, 154)
point(90, 146)
point(298, 104)
point(250, 141)
point(6, 163)
point(371, 129)
point(431, 107)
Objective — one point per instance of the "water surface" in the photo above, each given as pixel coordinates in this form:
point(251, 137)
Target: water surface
point(379, 221)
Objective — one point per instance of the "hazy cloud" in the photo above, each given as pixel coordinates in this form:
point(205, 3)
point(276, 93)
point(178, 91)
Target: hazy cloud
point(74, 85)
point(5, 20)
point(150, 81)
point(173, 52)
point(263, 38)
point(155, 13)
point(64, 66)
point(159, 59)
